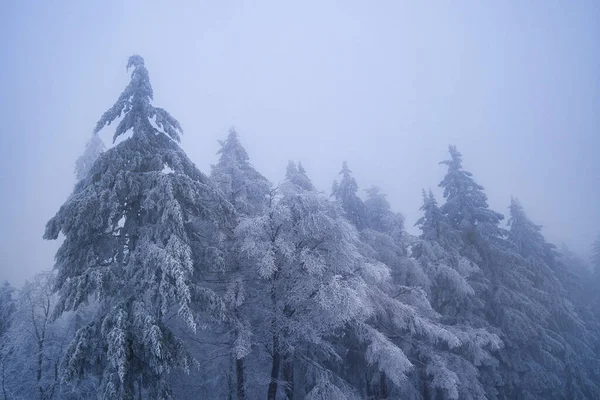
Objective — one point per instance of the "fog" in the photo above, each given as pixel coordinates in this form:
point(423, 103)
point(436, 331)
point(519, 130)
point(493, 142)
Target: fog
point(385, 86)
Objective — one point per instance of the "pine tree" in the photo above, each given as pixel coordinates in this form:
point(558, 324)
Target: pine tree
point(137, 231)
point(7, 306)
point(547, 276)
point(455, 372)
point(466, 206)
point(516, 287)
point(93, 148)
point(438, 253)
point(7, 310)
point(305, 257)
point(248, 191)
point(380, 217)
point(596, 256)
point(245, 188)
point(433, 224)
point(297, 175)
point(345, 192)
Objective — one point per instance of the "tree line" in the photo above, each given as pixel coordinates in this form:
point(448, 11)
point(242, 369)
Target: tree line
point(173, 284)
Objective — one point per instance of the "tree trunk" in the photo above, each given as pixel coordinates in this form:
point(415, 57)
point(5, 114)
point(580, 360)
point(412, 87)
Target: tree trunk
point(383, 388)
point(40, 360)
point(140, 388)
point(239, 369)
point(288, 376)
point(368, 391)
point(426, 395)
point(230, 384)
point(3, 382)
point(272, 393)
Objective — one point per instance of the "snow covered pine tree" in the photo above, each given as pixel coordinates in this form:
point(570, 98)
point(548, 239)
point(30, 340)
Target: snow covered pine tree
point(93, 148)
point(523, 299)
point(130, 229)
point(224, 348)
point(345, 193)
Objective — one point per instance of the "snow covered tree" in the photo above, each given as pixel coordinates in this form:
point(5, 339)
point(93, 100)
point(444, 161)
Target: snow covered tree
point(93, 148)
point(296, 174)
point(248, 191)
point(525, 235)
point(596, 255)
point(466, 206)
point(345, 192)
point(139, 231)
point(592, 284)
point(7, 306)
point(475, 232)
point(438, 253)
point(563, 325)
point(506, 287)
point(517, 286)
point(34, 345)
point(453, 276)
point(380, 217)
point(7, 310)
point(306, 257)
point(434, 225)
point(245, 188)
point(443, 356)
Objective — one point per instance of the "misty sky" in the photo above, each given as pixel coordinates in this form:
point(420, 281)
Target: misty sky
point(385, 85)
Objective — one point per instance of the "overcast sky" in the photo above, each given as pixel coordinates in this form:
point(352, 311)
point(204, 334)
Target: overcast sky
point(385, 85)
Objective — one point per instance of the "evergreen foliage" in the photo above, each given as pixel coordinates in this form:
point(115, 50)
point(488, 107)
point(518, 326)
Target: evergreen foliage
point(170, 284)
point(133, 238)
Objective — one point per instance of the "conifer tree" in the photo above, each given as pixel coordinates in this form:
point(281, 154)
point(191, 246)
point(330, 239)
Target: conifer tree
point(504, 284)
point(296, 174)
point(433, 224)
point(245, 188)
point(133, 230)
point(307, 259)
point(438, 253)
point(515, 288)
point(7, 306)
point(7, 310)
point(380, 217)
point(596, 256)
point(248, 191)
point(466, 208)
point(93, 148)
point(563, 324)
point(437, 369)
point(345, 192)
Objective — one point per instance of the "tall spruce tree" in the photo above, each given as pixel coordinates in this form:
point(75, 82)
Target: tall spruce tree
point(296, 174)
point(320, 287)
point(93, 148)
point(466, 206)
point(133, 238)
point(438, 253)
point(345, 192)
point(563, 324)
point(515, 288)
point(245, 188)
point(380, 217)
point(248, 191)
point(503, 285)
point(442, 356)
point(440, 368)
